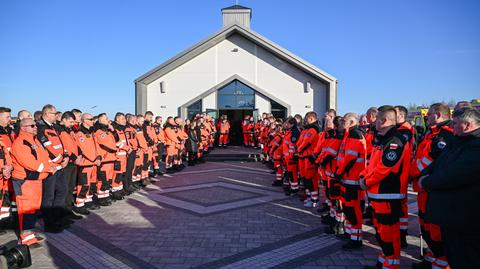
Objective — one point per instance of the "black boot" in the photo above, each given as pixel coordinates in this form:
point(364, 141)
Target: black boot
point(92, 206)
point(403, 239)
point(277, 183)
point(327, 219)
point(117, 196)
point(376, 266)
point(324, 208)
point(422, 265)
point(104, 202)
point(331, 228)
point(81, 210)
point(352, 244)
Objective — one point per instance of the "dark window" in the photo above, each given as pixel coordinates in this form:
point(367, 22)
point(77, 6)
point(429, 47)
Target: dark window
point(278, 111)
point(195, 108)
point(236, 95)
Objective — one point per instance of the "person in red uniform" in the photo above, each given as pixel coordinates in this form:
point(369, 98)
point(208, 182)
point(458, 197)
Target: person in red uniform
point(7, 197)
point(119, 189)
point(305, 146)
point(385, 181)
point(55, 186)
point(351, 161)
point(290, 156)
point(132, 160)
point(5, 173)
point(438, 136)
point(276, 151)
point(31, 165)
point(224, 127)
point(67, 135)
point(408, 133)
point(158, 127)
point(171, 136)
point(87, 166)
point(327, 160)
point(327, 126)
point(107, 149)
point(370, 131)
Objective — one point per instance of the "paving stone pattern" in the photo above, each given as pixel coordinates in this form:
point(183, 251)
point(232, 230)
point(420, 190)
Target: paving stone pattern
point(215, 215)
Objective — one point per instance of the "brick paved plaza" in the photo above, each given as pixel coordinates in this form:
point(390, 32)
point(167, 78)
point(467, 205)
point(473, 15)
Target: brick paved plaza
point(214, 215)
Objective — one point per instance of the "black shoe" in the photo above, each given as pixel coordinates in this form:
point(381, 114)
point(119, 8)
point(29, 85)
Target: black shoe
point(343, 236)
point(325, 208)
point(104, 202)
point(329, 230)
point(35, 246)
point(117, 196)
point(422, 265)
point(352, 244)
point(2, 232)
point(376, 266)
point(39, 238)
point(81, 210)
point(73, 216)
point(327, 220)
point(170, 171)
point(277, 183)
point(293, 192)
point(273, 172)
point(403, 241)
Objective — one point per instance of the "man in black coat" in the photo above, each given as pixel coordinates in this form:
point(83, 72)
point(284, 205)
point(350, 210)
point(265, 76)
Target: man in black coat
point(453, 183)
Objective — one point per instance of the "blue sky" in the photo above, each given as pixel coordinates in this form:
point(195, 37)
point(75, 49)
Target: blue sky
point(88, 53)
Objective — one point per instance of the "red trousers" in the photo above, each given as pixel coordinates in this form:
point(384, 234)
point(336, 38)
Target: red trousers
point(120, 168)
point(277, 164)
point(352, 208)
point(387, 225)
point(223, 140)
point(292, 170)
point(311, 178)
point(87, 178)
point(106, 174)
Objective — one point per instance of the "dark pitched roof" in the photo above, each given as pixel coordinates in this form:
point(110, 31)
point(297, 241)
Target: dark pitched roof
point(236, 7)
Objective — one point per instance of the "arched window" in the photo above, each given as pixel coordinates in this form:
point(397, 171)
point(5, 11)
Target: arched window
point(236, 95)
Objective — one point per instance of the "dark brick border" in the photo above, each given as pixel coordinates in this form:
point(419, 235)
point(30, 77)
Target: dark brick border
point(262, 249)
point(110, 249)
point(253, 195)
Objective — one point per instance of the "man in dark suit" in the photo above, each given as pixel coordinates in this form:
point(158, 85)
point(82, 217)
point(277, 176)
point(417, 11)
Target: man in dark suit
point(453, 183)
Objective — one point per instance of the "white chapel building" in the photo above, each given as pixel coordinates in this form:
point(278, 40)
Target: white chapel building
point(235, 72)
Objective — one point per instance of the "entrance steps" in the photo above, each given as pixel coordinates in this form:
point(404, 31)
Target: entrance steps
point(233, 153)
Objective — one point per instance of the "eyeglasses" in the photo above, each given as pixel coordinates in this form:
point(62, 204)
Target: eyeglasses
point(88, 119)
point(31, 126)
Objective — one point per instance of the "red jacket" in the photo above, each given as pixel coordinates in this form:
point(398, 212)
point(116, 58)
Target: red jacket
point(434, 142)
point(385, 176)
point(351, 159)
point(308, 140)
point(30, 160)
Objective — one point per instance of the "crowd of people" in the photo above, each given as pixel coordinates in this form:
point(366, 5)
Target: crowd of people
point(59, 166)
point(364, 165)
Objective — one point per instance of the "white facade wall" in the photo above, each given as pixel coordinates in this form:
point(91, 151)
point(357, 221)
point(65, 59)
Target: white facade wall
point(210, 101)
point(235, 56)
